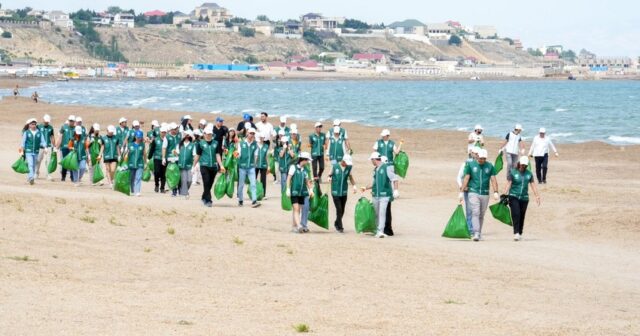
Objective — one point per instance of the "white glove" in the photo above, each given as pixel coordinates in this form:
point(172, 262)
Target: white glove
point(522, 152)
point(396, 193)
point(288, 192)
point(461, 196)
point(557, 154)
point(164, 162)
point(496, 196)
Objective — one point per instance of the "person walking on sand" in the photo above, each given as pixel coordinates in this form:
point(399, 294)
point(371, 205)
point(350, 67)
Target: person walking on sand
point(384, 189)
point(93, 139)
point(155, 130)
point(185, 125)
point(156, 153)
point(201, 125)
point(220, 132)
point(262, 166)
point(475, 138)
point(513, 147)
point(186, 152)
point(478, 175)
point(339, 177)
point(299, 189)
point(35, 96)
point(285, 155)
point(16, 92)
point(464, 195)
point(208, 155)
point(387, 147)
point(110, 152)
point(66, 132)
point(317, 145)
point(131, 134)
point(136, 161)
point(78, 145)
point(32, 141)
point(518, 190)
point(343, 134)
point(246, 155)
point(122, 132)
point(168, 150)
point(45, 153)
point(337, 147)
point(540, 152)
point(264, 129)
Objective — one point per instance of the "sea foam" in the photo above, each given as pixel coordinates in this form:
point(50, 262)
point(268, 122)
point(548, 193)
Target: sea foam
point(624, 140)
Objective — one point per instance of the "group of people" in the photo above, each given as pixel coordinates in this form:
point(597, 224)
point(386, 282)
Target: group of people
point(199, 151)
point(477, 177)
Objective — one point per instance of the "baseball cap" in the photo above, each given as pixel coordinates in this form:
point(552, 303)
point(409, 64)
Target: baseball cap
point(72, 118)
point(111, 129)
point(348, 160)
point(46, 118)
point(163, 129)
point(96, 127)
point(203, 122)
point(336, 122)
point(251, 130)
point(305, 156)
point(385, 132)
point(478, 127)
point(78, 119)
point(518, 127)
point(31, 120)
point(123, 119)
point(375, 156)
point(543, 130)
point(482, 154)
point(475, 150)
point(135, 123)
point(294, 131)
point(139, 134)
point(283, 119)
point(173, 126)
point(318, 124)
point(524, 161)
point(219, 119)
point(155, 123)
point(187, 117)
point(78, 130)
point(246, 116)
point(208, 130)
point(188, 133)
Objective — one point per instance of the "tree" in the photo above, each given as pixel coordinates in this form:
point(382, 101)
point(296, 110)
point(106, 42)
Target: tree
point(311, 37)
point(455, 40)
point(509, 40)
point(228, 24)
point(251, 59)
point(535, 52)
point(568, 55)
point(6, 34)
point(114, 10)
point(83, 14)
point(22, 13)
point(206, 19)
point(247, 32)
point(355, 24)
point(262, 18)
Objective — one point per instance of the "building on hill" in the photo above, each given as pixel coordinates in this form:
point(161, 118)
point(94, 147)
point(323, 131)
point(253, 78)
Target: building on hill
point(518, 44)
point(318, 22)
point(370, 58)
point(124, 20)
point(262, 27)
point(213, 12)
point(155, 13)
point(6, 13)
point(411, 26)
point(38, 14)
point(457, 26)
point(102, 21)
point(289, 29)
point(485, 31)
point(602, 64)
point(180, 17)
point(439, 31)
point(59, 19)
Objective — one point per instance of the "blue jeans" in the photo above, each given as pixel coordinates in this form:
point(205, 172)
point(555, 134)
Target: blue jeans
point(136, 180)
point(31, 159)
point(242, 175)
point(283, 182)
point(76, 175)
point(304, 216)
point(467, 208)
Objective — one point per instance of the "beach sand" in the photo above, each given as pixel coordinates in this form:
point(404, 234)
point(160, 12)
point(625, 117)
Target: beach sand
point(102, 263)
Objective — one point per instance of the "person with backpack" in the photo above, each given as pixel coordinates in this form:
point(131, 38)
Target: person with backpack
point(518, 191)
point(479, 175)
point(186, 152)
point(339, 177)
point(45, 153)
point(246, 155)
point(384, 190)
point(299, 189)
point(32, 142)
point(209, 156)
point(136, 159)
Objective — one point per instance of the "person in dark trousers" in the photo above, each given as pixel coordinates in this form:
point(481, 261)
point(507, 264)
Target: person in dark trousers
point(66, 134)
point(261, 162)
point(208, 154)
point(242, 129)
point(317, 143)
point(219, 132)
point(340, 174)
point(518, 190)
point(540, 151)
point(159, 169)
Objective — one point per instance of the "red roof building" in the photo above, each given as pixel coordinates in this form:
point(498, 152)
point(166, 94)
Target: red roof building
point(155, 13)
point(369, 57)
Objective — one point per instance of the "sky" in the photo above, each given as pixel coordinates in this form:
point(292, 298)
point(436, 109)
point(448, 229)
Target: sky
point(599, 27)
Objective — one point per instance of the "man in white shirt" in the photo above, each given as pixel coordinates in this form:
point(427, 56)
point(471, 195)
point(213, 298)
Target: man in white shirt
point(540, 151)
point(264, 128)
point(513, 147)
point(475, 139)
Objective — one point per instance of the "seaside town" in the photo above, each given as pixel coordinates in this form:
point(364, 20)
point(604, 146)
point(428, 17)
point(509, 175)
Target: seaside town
point(212, 42)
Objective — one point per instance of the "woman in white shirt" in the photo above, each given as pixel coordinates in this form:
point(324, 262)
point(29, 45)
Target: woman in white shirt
point(540, 151)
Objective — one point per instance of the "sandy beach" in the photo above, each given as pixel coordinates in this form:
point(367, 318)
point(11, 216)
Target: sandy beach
point(88, 260)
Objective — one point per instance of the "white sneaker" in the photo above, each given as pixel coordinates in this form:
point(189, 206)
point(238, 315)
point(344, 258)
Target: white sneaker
point(49, 178)
point(516, 237)
point(476, 236)
point(137, 194)
point(380, 235)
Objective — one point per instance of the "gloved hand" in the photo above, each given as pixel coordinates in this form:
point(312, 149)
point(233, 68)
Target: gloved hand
point(557, 154)
point(288, 192)
point(164, 162)
point(396, 193)
point(355, 189)
point(496, 196)
point(461, 197)
point(329, 178)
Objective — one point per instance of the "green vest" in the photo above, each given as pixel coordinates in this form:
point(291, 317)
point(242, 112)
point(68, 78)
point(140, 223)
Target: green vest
point(208, 155)
point(154, 133)
point(131, 135)
point(136, 155)
point(286, 130)
point(381, 183)
point(67, 134)
point(298, 182)
point(336, 149)
point(247, 156)
point(172, 143)
point(283, 162)
point(520, 184)
point(157, 150)
point(78, 146)
point(317, 143)
point(111, 144)
point(185, 160)
point(339, 180)
point(33, 142)
point(386, 149)
point(262, 157)
point(480, 176)
point(122, 133)
point(46, 131)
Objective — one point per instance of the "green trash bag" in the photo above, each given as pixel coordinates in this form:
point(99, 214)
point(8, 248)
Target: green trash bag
point(70, 162)
point(150, 165)
point(146, 174)
point(20, 166)
point(123, 180)
point(501, 212)
point(320, 215)
point(94, 151)
point(230, 184)
point(173, 175)
point(529, 167)
point(499, 163)
point(285, 202)
point(229, 160)
point(234, 168)
point(457, 226)
point(315, 200)
point(259, 190)
point(53, 163)
point(271, 162)
point(98, 174)
point(220, 188)
point(401, 164)
point(365, 216)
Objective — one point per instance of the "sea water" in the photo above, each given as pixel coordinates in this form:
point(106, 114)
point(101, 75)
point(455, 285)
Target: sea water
point(571, 111)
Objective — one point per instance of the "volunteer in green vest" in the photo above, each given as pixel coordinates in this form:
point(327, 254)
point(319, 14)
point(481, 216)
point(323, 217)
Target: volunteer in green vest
point(66, 134)
point(518, 190)
point(122, 132)
point(168, 149)
point(186, 152)
point(110, 152)
point(131, 134)
point(337, 148)
point(339, 177)
point(197, 135)
point(156, 153)
point(478, 175)
point(49, 137)
point(32, 142)
point(136, 160)
point(284, 154)
point(155, 130)
point(343, 135)
point(208, 155)
point(94, 139)
point(246, 155)
point(283, 127)
point(384, 190)
point(294, 135)
point(387, 147)
point(299, 189)
point(78, 144)
point(261, 162)
point(317, 144)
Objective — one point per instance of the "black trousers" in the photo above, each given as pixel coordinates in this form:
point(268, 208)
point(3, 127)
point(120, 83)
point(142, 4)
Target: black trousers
point(63, 172)
point(262, 174)
point(340, 202)
point(541, 167)
point(208, 176)
point(317, 166)
point(518, 212)
point(159, 174)
point(388, 230)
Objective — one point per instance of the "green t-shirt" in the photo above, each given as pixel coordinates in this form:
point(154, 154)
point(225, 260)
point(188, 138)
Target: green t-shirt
point(520, 184)
point(480, 177)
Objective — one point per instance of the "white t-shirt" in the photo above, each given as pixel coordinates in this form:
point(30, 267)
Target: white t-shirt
point(513, 143)
point(265, 129)
point(540, 146)
point(475, 137)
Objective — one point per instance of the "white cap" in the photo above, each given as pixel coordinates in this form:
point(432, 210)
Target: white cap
point(155, 123)
point(203, 122)
point(524, 161)
point(197, 132)
point(163, 129)
point(475, 150)
point(318, 124)
point(31, 120)
point(123, 119)
point(135, 123)
point(251, 130)
point(173, 126)
point(78, 119)
point(336, 122)
point(285, 138)
point(482, 153)
point(348, 160)
point(72, 118)
point(187, 117)
point(294, 126)
point(384, 159)
point(111, 129)
point(96, 127)
point(294, 131)
point(283, 119)
point(305, 155)
point(189, 133)
point(478, 127)
point(336, 129)
point(46, 118)
point(385, 132)
point(518, 127)
point(281, 132)
point(208, 130)
point(375, 156)
point(543, 130)
point(78, 130)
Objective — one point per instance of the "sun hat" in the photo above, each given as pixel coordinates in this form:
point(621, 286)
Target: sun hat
point(203, 122)
point(188, 133)
point(163, 129)
point(294, 131)
point(187, 117)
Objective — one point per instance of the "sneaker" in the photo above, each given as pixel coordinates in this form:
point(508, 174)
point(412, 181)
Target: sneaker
point(255, 204)
point(340, 230)
point(239, 203)
point(94, 184)
point(157, 189)
point(76, 185)
point(49, 178)
point(305, 229)
point(31, 182)
point(476, 237)
point(275, 182)
point(295, 230)
point(162, 191)
point(137, 195)
point(516, 237)
point(380, 235)
point(208, 204)
point(186, 198)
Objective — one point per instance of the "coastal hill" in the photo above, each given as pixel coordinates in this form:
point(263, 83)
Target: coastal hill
point(164, 45)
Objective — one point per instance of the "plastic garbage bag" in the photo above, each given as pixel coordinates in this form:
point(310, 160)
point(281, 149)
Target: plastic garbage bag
point(20, 166)
point(499, 163)
point(70, 162)
point(285, 202)
point(365, 218)
point(457, 226)
point(53, 163)
point(501, 212)
point(98, 174)
point(401, 164)
point(320, 215)
point(123, 180)
point(173, 175)
point(220, 187)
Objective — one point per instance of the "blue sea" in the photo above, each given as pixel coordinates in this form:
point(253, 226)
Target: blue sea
point(572, 111)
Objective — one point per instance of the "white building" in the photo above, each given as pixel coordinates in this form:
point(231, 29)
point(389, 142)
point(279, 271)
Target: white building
point(319, 22)
point(124, 20)
point(59, 19)
point(485, 31)
point(439, 31)
point(180, 17)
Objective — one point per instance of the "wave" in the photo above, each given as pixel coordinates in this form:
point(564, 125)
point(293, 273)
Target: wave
point(216, 112)
point(561, 110)
point(348, 121)
point(624, 140)
point(430, 120)
point(560, 135)
point(139, 102)
point(395, 117)
point(462, 129)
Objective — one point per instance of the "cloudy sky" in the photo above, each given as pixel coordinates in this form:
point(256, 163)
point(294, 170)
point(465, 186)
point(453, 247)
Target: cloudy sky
point(602, 28)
